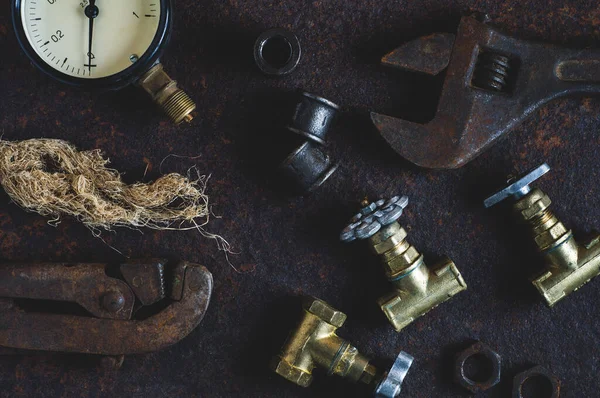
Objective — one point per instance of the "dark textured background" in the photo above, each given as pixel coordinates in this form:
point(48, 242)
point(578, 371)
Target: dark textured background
point(289, 246)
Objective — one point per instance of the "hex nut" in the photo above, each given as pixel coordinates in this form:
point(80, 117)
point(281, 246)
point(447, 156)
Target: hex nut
point(551, 236)
point(459, 369)
point(325, 312)
point(403, 262)
point(401, 250)
point(533, 204)
point(388, 238)
point(522, 378)
point(535, 195)
point(291, 373)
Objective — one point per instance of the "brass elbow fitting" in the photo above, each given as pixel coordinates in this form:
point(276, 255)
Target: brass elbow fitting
point(417, 288)
point(176, 104)
point(315, 344)
point(570, 265)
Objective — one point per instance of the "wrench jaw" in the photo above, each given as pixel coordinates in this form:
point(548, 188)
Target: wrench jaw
point(187, 303)
point(436, 139)
point(409, 139)
point(428, 54)
point(493, 83)
point(449, 140)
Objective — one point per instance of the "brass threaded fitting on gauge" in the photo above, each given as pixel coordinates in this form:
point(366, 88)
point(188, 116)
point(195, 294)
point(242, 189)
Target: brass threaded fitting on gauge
point(570, 265)
point(314, 343)
point(417, 288)
point(179, 107)
point(175, 102)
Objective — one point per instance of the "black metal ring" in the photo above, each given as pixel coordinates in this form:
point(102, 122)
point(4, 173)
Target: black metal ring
point(478, 386)
point(291, 51)
point(537, 371)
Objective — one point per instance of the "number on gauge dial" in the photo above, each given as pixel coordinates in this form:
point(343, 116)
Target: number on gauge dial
point(59, 31)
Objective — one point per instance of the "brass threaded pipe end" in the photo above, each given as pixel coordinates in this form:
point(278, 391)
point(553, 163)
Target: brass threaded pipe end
point(542, 218)
point(179, 107)
point(387, 238)
point(352, 365)
point(176, 104)
point(397, 255)
point(396, 251)
point(547, 230)
point(543, 222)
point(369, 375)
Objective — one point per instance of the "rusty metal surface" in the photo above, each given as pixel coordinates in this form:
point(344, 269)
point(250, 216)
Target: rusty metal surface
point(490, 377)
point(428, 54)
point(289, 246)
point(79, 334)
point(493, 82)
point(550, 390)
point(83, 284)
point(146, 279)
point(111, 331)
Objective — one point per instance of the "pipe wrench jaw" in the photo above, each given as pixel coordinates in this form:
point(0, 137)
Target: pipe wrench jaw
point(161, 312)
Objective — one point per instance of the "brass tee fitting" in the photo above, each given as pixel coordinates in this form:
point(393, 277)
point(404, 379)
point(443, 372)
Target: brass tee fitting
point(178, 106)
point(315, 344)
point(417, 288)
point(570, 265)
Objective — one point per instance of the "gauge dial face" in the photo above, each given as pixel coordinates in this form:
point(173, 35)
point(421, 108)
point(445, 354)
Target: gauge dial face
point(90, 39)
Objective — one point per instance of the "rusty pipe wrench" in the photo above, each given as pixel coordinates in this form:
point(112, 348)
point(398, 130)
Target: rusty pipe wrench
point(108, 325)
point(493, 82)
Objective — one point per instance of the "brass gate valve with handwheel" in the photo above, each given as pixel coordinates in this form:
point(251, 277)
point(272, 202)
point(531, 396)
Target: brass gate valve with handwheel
point(417, 288)
point(315, 344)
point(570, 264)
point(103, 45)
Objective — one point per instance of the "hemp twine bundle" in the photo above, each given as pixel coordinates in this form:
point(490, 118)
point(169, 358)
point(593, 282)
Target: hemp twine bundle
point(51, 177)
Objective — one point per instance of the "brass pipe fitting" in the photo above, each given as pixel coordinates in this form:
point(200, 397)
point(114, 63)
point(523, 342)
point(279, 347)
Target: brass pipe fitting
point(417, 288)
point(315, 344)
point(164, 91)
point(570, 265)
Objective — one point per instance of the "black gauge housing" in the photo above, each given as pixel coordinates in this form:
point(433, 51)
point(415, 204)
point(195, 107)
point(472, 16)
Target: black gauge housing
point(114, 82)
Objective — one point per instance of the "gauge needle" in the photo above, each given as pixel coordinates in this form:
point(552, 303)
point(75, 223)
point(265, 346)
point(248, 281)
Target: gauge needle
point(91, 11)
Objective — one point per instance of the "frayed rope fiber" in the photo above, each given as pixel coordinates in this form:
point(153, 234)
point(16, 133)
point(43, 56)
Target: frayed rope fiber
point(54, 179)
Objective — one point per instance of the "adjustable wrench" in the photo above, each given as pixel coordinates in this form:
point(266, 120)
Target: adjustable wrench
point(493, 82)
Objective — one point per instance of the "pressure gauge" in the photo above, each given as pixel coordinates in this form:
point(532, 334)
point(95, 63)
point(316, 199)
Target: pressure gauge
point(102, 44)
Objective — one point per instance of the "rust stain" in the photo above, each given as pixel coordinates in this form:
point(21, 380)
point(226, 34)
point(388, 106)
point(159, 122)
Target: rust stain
point(547, 143)
point(587, 105)
point(247, 268)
